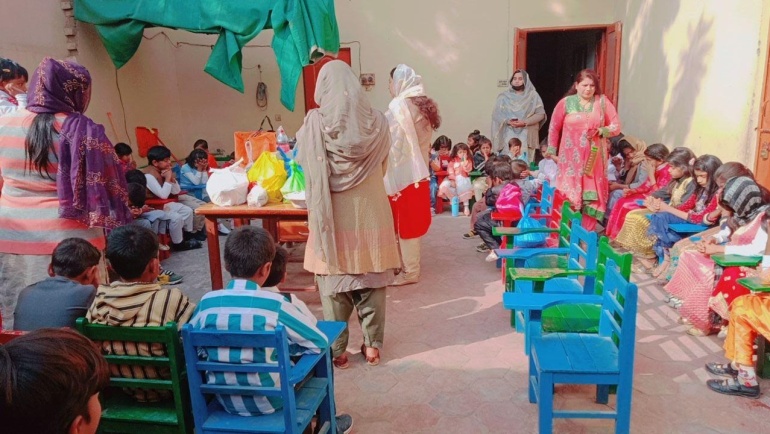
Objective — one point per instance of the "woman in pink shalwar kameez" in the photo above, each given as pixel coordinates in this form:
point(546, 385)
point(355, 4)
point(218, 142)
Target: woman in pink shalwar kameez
point(580, 125)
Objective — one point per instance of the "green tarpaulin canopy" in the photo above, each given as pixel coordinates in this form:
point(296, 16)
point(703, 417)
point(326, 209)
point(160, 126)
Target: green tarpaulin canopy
point(304, 30)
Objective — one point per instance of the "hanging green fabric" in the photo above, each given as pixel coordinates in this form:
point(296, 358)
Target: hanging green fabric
point(304, 30)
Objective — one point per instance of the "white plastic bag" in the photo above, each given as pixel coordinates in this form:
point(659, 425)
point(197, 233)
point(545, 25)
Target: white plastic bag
point(228, 186)
point(257, 196)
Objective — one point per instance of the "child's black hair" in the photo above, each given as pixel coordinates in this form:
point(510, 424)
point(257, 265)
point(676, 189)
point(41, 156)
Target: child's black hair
point(202, 143)
point(195, 155)
point(502, 170)
point(123, 149)
point(278, 269)
point(482, 139)
point(514, 142)
point(137, 194)
point(444, 141)
point(475, 135)
point(519, 167)
point(73, 256)
point(10, 70)
point(157, 153)
point(657, 151)
point(459, 147)
point(129, 249)
point(709, 164)
point(136, 176)
point(247, 249)
point(682, 157)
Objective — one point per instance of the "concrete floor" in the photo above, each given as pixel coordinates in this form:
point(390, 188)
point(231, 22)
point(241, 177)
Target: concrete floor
point(452, 364)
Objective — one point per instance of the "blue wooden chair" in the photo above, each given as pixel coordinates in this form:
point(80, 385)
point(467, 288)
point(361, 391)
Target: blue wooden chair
point(314, 395)
point(576, 317)
point(605, 359)
point(581, 259)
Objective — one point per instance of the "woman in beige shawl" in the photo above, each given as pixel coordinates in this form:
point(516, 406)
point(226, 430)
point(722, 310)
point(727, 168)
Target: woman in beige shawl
point(352, 246)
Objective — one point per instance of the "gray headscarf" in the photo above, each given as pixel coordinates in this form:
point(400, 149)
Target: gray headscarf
point(511, 104)
point(340, 144)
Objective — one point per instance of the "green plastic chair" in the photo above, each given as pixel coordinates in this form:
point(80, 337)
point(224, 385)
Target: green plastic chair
point(122, 413)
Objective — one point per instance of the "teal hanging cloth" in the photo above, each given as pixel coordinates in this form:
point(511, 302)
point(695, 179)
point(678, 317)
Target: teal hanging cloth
point(303, 31)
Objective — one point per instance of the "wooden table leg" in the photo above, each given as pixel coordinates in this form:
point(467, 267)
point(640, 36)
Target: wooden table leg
point(270, 224)
point(215, 264)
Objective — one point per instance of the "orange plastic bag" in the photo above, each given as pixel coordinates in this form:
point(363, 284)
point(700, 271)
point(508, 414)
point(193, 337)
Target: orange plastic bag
point(249, 145)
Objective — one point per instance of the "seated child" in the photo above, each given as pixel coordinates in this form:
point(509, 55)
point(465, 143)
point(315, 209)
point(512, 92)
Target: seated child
point(125, 157)
point(528, 186)
point(65, 296)
point(515, 150)
point(548, 165)
point(440, 149)
point(481, 205)
point(480, 159)
point(501, 175)
point(249, 252)
point(51, 379)
point(204, 146)
point(195, 172)
point(458, 181)
point(278, 275)
point(132, 252)
point(150, 218)
point(162, 183)
point(13, 86)
point(439, 161)
point(614, 165)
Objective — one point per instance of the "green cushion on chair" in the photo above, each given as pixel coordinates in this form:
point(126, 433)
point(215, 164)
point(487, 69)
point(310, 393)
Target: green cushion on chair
point(121, 407)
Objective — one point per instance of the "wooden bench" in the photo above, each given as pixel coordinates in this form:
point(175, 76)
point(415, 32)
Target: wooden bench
point(604, 359)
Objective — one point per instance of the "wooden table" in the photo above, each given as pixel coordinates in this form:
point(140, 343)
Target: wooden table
point(271, 216)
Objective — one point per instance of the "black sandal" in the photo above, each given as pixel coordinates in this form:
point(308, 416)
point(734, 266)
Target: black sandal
point(722, 370)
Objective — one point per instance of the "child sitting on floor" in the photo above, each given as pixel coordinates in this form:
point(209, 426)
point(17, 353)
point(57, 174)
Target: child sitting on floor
point(458, 181)
point(502, 174)
point(132, 252)
point(65, 296)
point(439, 155)
point(548, 166)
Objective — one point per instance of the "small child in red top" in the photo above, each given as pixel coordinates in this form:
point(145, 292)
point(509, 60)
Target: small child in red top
point(458, 180)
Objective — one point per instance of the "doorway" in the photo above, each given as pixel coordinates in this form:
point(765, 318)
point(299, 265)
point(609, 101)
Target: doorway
point(553, 56)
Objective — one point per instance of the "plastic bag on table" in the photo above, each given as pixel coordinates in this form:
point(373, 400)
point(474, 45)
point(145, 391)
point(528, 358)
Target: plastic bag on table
point(228, 186)
point(257, 197)
point(269, 173)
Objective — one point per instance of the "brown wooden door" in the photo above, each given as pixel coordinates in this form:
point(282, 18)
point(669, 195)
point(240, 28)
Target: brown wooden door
point(519, 49)
point(310, 75)
point(608, 65)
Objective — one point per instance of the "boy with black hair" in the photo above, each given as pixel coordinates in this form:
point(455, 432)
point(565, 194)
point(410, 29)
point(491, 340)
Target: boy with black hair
point(132, 252)
point(125, 156)
point(65, 296)
point(278, 275)
point(51, 379)
point(502, 173)
point(162, 183)
point(244, 306)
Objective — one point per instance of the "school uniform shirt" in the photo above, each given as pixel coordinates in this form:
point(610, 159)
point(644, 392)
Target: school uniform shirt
point(243, 306)
point(125, 304)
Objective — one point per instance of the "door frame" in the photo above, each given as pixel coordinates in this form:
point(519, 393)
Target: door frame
point(607, 54)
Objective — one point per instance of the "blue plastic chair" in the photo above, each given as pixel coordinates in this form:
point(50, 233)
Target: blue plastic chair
point(605, 359)
point(314, 396)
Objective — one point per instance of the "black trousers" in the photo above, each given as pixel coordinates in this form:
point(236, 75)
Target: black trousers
point(484, 226)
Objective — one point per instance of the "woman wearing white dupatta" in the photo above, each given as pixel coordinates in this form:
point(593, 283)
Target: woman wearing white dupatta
point(352, 249)
point(519, 113)
point(412, 117)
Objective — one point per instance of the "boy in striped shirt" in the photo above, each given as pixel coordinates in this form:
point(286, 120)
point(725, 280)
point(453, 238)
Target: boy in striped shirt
point(243, 306)
point(137, 300)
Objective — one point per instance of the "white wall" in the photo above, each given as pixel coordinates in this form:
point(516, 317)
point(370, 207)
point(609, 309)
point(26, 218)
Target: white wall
point(692, 72)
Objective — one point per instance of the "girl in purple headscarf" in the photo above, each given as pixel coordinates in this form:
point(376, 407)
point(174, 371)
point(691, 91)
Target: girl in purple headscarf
point(60, 178)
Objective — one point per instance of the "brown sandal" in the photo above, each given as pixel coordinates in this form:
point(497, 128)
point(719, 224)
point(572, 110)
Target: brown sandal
point(341, 362)
point(371, 361)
